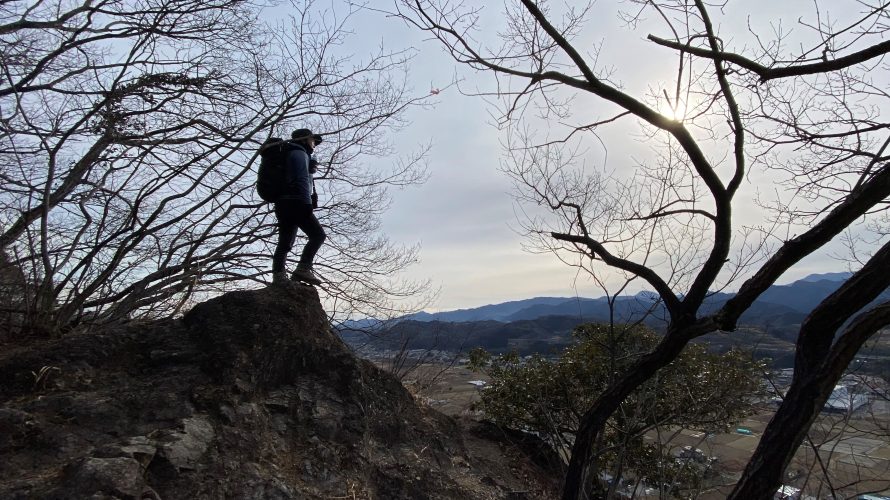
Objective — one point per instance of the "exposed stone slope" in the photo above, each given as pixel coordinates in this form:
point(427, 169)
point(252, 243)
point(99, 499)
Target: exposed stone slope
point(249, 396)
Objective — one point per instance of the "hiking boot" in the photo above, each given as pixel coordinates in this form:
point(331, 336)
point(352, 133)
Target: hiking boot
point(280, 278)
point(304, 274)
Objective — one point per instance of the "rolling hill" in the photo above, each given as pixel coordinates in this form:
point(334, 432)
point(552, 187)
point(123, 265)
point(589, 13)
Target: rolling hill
point(544, 324)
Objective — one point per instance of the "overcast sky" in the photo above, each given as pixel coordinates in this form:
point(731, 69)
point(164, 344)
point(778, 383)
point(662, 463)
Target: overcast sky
point(464, 217)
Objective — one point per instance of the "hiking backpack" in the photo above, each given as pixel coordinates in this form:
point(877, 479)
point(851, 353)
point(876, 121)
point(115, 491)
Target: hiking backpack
point(270, 183)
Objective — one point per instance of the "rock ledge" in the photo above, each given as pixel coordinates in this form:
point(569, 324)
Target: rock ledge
point(249, 396)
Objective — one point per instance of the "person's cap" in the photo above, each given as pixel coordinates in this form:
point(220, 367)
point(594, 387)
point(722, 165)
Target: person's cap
point(304, 133)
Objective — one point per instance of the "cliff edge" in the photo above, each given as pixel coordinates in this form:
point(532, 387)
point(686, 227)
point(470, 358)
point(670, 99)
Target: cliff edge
point(249, 396)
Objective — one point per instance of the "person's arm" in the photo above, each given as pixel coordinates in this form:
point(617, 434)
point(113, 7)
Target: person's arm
point(296, 172)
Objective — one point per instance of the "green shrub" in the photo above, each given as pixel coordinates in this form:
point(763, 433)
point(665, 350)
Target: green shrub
point(699, 390)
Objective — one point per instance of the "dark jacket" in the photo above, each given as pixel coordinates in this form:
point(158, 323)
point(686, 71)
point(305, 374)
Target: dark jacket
point(297, 178)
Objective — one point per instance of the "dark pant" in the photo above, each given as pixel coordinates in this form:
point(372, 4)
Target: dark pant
point(293, 215)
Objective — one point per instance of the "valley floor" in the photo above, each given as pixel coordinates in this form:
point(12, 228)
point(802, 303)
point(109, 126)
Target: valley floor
point(847, 452)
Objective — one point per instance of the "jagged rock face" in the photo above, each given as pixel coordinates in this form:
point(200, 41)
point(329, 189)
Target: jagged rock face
point(249, 396)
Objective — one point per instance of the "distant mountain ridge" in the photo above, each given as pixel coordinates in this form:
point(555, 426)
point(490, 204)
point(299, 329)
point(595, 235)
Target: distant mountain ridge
point(545, 324)
point(841, 276)
point(494, 312)
point(788, 303)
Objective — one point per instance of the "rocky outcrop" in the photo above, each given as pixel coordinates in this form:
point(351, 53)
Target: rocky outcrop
point(250, 395)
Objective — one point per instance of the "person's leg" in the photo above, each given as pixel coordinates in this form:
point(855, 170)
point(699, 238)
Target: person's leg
point(287, 234)
point(310, 225)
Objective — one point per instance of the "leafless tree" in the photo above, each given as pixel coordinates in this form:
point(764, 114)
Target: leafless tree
point(804, 114)
point(128, 142)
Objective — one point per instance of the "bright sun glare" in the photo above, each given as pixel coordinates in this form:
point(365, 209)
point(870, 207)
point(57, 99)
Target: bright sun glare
point(676, 113)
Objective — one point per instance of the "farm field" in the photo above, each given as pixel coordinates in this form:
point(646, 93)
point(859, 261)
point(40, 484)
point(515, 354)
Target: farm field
point(854, 448)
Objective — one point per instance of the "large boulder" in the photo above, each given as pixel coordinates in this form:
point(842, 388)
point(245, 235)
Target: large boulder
point(250, 395)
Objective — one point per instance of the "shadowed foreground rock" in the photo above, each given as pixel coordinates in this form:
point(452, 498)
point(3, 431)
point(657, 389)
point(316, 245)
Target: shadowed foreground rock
point(249, 396)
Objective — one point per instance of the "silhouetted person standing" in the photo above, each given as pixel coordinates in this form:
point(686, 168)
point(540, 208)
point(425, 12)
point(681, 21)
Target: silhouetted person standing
point(294, 210)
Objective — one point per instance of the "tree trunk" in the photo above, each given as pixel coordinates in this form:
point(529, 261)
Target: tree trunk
point(781, 439)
